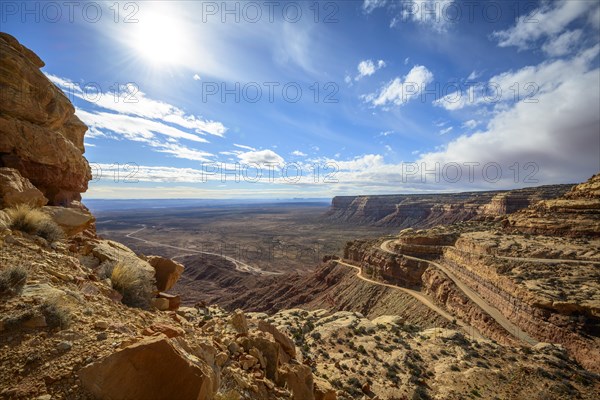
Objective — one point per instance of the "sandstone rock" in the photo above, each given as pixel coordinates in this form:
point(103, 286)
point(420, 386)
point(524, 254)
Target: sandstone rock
point(248, 362)
point(114, 252)
point(221, 358)
point(14, 189)
point(71, 220)
point(167, 272)
point(323, 390)
point(168, 330)
point(269, 349)
point(64, 346)
point(576, 214)
point(101, 325)
point(174, 300)
point(299, 380)
point(259, 356)
point(427, 210)
point(40, 135)
point(150, 369)
point(239, 323)
point(286, 342)
point(160, 304)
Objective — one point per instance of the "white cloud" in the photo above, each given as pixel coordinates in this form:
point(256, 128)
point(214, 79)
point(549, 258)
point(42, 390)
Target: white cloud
point(370, 5)
point(525, 84)
point(559, 133)
point(400, 91)
point(368, 68)
point(563, 44)
point(298, 153)
point(437, 14)
point(388, 148)
point(181, 151)
point(133, 128)
point(386, 133)
point(129, 100)
point(261, 157)
point(473, 75)
point(406, 60)
point(470, 124)
point(243, 146)
point(196, 77)
point(549, 20)
point(446, 130)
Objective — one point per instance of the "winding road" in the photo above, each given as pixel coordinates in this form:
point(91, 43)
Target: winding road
point(474, 296)
point(420, 297)
point(239, 265)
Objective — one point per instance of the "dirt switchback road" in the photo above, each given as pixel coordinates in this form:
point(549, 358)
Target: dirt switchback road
point(474, 296)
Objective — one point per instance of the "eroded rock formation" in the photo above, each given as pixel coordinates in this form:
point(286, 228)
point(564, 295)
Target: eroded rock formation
point(428, 210)
point(40, 135)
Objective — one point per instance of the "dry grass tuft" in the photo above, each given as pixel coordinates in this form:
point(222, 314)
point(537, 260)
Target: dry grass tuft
point(34, 221)
point(12, 279)
point(56, 316)
point(134, 285)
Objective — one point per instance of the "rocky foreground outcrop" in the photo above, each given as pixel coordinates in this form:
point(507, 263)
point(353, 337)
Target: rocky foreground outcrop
point(40, 135)
point(428, 210)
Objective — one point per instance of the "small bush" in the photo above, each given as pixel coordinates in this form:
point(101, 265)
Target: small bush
point(50, 231)
point(136, 288)
point(33, 221)
point(56, 316)
point(12, 279)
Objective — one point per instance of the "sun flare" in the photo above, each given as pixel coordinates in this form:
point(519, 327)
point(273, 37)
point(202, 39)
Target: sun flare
point(159, 39)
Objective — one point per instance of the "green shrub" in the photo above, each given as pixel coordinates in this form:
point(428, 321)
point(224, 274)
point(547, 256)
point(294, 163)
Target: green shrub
point(12, 279)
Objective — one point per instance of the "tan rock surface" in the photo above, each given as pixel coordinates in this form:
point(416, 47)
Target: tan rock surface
point(40, 135)
point(71, 220)
point(150, 369)
point(14, 189)
point(167, 272)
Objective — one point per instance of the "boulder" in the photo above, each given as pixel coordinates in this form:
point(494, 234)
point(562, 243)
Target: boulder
point(169, 331)
point(269, 349)
point(287, 344)
point(167, 272)
point(149, 369)
point(239, 323)
point(71, 220)
point(173, 299)
point(299, 381)
point(40, 135)
point(114, 252)
point(323, 390)
point(14, 189)
point(161, 304)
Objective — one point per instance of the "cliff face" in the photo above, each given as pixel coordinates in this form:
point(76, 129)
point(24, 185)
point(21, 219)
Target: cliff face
point(40, 135)
point(575, 214)
point(538, 269)
point(429, 210)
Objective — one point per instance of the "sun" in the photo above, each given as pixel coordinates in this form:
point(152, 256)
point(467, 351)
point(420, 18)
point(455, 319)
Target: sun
point(159, 38)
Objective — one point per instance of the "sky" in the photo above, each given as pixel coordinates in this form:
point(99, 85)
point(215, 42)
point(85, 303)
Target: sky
point(258, 99)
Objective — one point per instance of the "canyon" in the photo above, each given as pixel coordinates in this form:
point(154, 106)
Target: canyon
point(452, 296)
